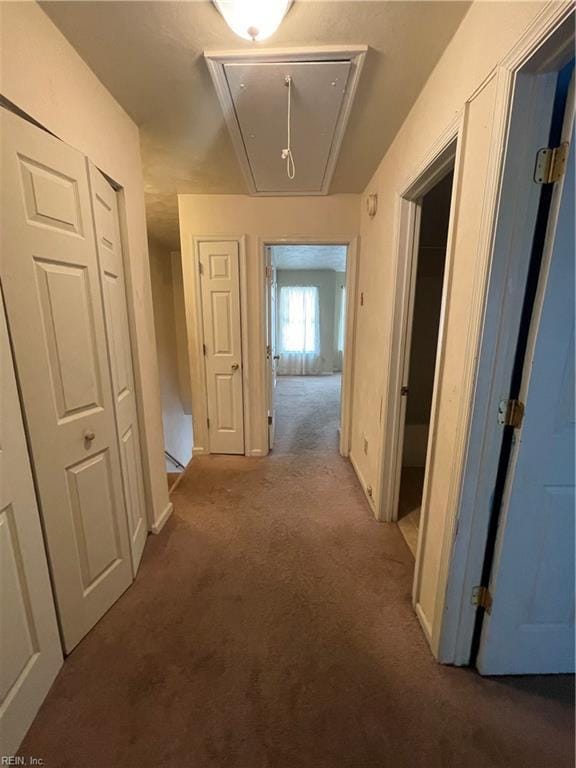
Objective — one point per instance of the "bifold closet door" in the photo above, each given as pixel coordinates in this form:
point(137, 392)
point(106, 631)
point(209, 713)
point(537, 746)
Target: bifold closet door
point(30, 651)
point(54, 308)
point(107, 228)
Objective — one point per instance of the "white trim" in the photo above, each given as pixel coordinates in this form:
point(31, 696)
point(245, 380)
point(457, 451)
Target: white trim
point(256, 452)
point(362, 481)
point(347, 387)
point(441, 157)
point(161, 522)
point(216, 61)
point(504, 232)
point(201, 431)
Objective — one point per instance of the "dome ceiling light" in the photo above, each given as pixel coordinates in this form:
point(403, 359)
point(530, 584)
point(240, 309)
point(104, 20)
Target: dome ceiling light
point(253, 20)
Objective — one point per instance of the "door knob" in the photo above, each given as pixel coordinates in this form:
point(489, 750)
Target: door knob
point(235, 366)
point(89, 435)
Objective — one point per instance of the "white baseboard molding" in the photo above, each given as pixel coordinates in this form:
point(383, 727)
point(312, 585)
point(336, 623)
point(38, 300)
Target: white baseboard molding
point(256, 452)
point(362, 481)
point(199, 451)
point(424, 623)
point(161, 522)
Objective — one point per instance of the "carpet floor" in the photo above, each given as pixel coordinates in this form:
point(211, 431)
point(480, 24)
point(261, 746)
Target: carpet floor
point(270, 626)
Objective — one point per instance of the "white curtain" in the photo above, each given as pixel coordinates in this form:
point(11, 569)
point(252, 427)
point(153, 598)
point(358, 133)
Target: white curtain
point(341, 309)
point(299, 331)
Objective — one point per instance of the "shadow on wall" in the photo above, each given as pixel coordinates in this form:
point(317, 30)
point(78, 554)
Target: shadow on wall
point(172, 346)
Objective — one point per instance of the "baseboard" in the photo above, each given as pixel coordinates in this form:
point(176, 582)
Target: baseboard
point(256, 452)
point(199, 451)
point(362, 481)
point(424, 624)
point(161, 522)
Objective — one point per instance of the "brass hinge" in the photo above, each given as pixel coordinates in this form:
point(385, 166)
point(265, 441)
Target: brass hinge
point(208, 422)
point(482, 598)
point(200, 267)
point(204, 348)
point(511, 413)
point(551, 163)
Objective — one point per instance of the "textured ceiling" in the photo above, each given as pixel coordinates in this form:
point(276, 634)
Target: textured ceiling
point(149, 56)
point(309, 257)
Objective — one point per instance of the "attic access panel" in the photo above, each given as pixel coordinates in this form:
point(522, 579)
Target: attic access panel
point(254, 97)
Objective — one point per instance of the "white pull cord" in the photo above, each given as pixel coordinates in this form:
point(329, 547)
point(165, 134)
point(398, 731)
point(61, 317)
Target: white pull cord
point(287, 153)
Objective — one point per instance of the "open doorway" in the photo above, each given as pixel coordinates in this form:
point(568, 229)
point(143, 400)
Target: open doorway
point(306, 336)
point(421, 347)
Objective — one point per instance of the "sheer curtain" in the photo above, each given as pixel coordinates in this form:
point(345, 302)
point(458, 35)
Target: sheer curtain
point(299, 330)
point(341, 329)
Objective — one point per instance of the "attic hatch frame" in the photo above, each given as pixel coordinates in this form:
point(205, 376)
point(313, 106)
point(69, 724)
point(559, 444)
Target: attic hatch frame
point(216, 61)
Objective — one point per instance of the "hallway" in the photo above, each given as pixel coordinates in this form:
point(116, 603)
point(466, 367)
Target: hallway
point(270, 626)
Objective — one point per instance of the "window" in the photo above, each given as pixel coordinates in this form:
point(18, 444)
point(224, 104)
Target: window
point(299, 320)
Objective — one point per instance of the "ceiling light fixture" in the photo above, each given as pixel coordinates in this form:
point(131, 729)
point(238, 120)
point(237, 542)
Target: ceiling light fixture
point(253, 20)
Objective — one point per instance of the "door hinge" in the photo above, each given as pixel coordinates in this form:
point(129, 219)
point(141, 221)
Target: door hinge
point(482, 598)
point(269, 272)
point(551, 163)
point(200, 268)
point(208, 423)
point(270, 420)
point(403, 391)
point(511, 413)
point(204, 348)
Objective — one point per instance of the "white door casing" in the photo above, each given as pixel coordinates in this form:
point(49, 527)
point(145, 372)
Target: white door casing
point(222, 333)
point(530, 628)
point(30, 649)
point(107, 230)
point(54, 306)
point(271, 345)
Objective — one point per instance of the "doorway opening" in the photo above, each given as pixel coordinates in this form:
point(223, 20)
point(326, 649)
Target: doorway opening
point(427, 280)
point(306, 338)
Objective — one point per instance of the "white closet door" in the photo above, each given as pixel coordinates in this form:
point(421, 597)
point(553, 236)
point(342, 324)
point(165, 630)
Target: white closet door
point(54, 307)
point(29, 643)
point(220, 280)
point(530, 629)
point(107, 227)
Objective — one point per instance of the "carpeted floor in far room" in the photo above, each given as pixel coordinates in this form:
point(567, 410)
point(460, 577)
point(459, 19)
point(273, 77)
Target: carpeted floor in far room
point(270, 626)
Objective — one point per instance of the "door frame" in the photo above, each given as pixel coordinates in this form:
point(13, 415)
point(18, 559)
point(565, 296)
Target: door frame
point(200, 408)
point(352, 248)
point(443, 157)
point(547, 44)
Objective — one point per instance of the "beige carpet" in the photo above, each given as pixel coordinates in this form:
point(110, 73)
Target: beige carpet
point(270, 626)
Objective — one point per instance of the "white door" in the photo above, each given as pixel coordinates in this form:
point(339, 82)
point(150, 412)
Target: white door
point(220, 284)
point(54, 307)
point(272, 356)
point(107, 228)
point(531, 625)
point(29, 642)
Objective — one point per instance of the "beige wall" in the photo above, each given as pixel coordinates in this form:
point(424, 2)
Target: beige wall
point(44, 76)
point(170, 329)
point(486, 34)
point(334, 217)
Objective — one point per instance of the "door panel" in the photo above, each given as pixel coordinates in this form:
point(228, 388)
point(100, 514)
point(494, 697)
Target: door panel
point(220, 289)
point(54, 305)
point(531, 626)
point(107, 228)
point(29, 641)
